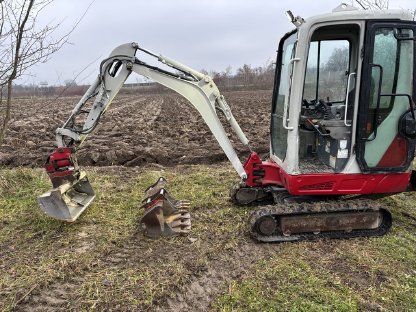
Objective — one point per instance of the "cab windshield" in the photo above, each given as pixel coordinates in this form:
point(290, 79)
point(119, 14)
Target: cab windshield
point(281, 93)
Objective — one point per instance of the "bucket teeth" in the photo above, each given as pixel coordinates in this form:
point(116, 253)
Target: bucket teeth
point(164, 215)
point(180, 221)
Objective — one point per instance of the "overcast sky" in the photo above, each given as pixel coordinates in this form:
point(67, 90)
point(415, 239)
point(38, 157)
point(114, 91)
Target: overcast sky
point(203, 34)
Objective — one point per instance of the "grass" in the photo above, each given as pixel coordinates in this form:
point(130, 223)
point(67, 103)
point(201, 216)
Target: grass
point(102, 261)
point(295, 280)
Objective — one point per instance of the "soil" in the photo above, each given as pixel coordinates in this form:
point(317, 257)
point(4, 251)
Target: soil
point(203, 283)
point(137, 130)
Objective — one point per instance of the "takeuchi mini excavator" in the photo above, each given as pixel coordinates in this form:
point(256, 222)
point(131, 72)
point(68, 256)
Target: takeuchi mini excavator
point(342, 129)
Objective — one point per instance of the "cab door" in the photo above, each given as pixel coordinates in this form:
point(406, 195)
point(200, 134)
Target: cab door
point(386, 96)
point(281, 95)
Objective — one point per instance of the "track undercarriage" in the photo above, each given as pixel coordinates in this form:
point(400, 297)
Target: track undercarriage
point(295, 218)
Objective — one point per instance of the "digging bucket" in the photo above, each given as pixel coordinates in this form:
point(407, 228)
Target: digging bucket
point(164, 215)
point(69, 200)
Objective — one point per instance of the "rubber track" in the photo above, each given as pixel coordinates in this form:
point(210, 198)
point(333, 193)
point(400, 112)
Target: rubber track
point(344, 205)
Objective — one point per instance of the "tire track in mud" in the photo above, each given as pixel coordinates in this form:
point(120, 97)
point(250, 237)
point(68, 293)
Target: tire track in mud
point(193, 272)
point(58, 294)
point(53, 298)
point(202, 290)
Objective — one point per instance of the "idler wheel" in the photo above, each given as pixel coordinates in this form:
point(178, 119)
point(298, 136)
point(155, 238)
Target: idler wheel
point(266, 225)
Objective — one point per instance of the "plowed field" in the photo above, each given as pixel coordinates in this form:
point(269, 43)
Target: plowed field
point(160, 129)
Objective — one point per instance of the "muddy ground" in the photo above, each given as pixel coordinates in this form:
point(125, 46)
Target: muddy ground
point(137, 129)
point(103, 262)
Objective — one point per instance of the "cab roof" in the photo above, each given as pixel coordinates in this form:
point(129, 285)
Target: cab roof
point(345, 12)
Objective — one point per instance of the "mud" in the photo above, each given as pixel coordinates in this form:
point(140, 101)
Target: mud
point(198, 294)
point(137, 130)
point(184, 282)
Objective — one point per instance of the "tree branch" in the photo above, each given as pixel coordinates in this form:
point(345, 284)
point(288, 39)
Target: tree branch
point(23, 45)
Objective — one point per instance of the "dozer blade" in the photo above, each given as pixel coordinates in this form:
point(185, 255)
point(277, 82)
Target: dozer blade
point(69, 200)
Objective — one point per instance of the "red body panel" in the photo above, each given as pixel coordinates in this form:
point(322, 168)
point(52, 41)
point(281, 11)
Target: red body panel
point(396, 154)
point(262, 173)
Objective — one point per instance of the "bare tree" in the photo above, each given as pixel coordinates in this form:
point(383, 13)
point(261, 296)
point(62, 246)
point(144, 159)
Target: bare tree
point(22, 45)
point(227, 73)
point(378, 5)
point(246, 73)
point(338, 60)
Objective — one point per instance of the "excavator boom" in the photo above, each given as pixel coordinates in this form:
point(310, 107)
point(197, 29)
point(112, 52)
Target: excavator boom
point(72, 192)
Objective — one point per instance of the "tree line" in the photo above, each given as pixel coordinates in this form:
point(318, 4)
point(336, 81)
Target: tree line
point(245, 77)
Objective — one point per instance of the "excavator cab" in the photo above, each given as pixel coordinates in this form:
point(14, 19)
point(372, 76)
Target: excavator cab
point(343, 98)
point(342, 126)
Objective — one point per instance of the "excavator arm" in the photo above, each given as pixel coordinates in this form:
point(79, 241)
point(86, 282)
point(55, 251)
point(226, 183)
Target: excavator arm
point(72, 193)
point(199, 89)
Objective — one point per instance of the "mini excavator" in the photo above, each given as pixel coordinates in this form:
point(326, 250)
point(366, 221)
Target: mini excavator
point(342, 129)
